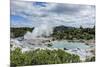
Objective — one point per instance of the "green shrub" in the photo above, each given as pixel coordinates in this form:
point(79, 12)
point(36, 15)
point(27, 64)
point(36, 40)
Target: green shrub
point(92, 59)
point(40, 56)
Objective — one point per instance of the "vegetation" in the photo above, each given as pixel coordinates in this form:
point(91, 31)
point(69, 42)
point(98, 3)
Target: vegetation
point(90, 59)
point(40, 56)
point(62, 32)
point(49, 45)
point(18, 32)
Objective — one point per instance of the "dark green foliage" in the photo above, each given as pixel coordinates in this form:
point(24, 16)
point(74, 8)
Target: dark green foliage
point(49, 45)
point(62, 32)
point(40, 56)
point(90, 59)
point(18, 32)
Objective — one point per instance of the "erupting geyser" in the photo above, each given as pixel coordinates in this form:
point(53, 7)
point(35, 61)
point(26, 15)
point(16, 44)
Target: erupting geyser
point(44, 30)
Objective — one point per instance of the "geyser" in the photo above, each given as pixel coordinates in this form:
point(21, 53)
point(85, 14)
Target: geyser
point(43, 30)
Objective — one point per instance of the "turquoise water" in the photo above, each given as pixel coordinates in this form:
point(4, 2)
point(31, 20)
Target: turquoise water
point(69, 45)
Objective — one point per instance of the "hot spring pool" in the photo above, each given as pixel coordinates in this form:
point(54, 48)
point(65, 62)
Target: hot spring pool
point(69, 45)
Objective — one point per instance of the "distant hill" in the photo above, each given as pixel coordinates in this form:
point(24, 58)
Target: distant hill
point(62, 28)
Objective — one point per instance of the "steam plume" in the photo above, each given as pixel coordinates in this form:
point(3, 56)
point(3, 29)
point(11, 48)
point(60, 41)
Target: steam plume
point(43, 30)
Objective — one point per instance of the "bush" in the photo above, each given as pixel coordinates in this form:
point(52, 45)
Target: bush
point(62, 32)
point(40, 56)
point(19, 32)
point(90, 59)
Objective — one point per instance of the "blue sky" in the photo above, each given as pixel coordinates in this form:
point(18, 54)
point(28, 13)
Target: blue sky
point(33, 14)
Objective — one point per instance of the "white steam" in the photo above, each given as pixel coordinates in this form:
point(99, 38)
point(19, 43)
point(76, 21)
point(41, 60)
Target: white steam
point(43, 30)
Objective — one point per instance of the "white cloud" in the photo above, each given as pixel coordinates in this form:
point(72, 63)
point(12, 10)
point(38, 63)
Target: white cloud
point(54, 13)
